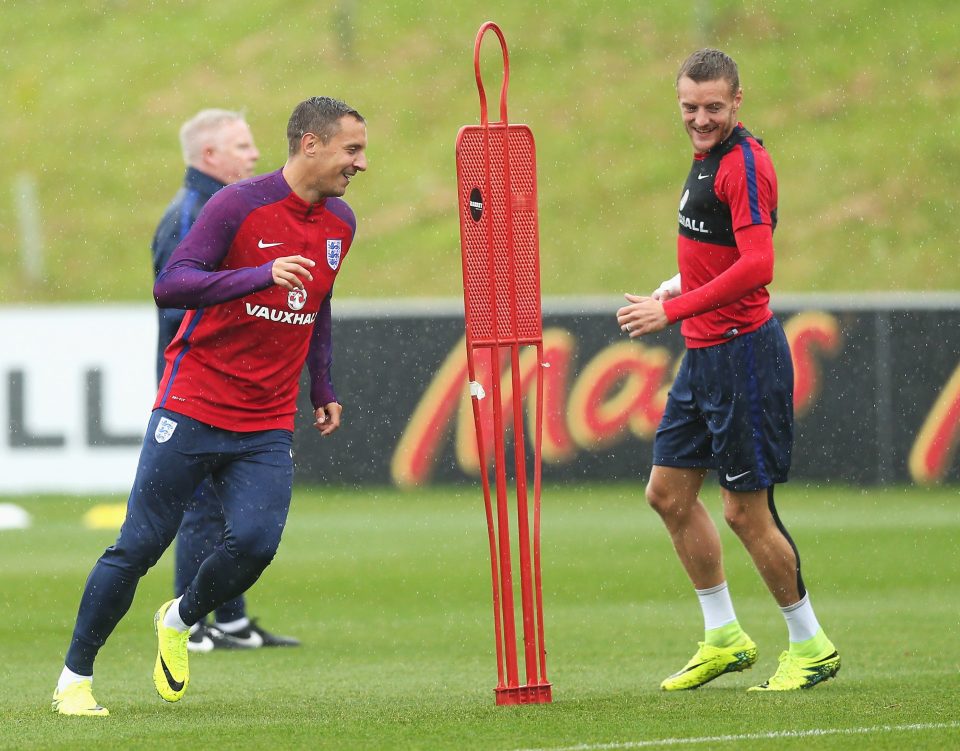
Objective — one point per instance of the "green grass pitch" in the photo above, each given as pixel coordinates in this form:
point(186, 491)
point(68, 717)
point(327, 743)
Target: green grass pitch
point(390, 593)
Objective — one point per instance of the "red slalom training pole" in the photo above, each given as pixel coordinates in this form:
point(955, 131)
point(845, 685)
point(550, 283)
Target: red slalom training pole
point(500, 247)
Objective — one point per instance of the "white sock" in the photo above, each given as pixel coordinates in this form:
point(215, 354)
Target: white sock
point(232, 627)
point(801, 621)
point(172, 617)
point(68, 676)
point(717, 606)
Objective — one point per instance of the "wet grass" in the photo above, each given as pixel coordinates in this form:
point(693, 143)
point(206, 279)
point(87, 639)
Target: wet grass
point(390, 593)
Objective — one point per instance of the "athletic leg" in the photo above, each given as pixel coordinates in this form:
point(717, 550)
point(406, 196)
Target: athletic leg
point(673, 493)
point(167, 475)
point(255, 487)
point(252, 475)
point(683, 452)
point(199, 534)
point(752, 518)
point(811, 657)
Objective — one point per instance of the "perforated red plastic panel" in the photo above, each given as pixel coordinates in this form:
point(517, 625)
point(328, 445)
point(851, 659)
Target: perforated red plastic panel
point(498, 231)
point(497, 193)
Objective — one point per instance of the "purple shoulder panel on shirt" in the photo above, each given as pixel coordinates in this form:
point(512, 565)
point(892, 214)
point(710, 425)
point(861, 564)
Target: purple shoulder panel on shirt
point(191, 279)
point(341, 209)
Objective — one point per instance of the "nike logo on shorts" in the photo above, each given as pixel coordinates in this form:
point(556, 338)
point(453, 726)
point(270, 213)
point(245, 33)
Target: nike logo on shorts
point(732, 478)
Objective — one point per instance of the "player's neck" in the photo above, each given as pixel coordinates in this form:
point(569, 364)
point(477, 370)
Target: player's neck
point(299, 183)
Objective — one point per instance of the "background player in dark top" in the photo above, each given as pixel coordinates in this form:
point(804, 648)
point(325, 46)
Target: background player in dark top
point(255, 274)
point(218, 149)
point(731, 405)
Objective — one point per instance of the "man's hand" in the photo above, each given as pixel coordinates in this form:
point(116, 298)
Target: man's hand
point(327, 418)
point(290, 271)
point(668, 288)
point(644, 315)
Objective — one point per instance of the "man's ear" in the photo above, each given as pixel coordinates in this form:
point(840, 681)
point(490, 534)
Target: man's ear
point(309, 143)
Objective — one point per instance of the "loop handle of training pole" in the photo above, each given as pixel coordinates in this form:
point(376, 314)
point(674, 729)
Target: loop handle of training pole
point(490, 25)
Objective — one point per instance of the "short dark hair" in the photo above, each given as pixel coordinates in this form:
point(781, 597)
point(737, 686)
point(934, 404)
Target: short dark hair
point(319, 115)
point(710, 65)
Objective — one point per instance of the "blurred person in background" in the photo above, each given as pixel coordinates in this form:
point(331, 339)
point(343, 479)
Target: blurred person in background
point(730, 408)
point(255, 274)
point(219, 150)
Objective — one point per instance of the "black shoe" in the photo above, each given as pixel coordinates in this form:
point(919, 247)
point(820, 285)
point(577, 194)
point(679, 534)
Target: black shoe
point(200, 640)
point(272, 640)
point(245, 638)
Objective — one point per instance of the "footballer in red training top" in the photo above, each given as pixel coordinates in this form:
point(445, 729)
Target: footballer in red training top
point(262, 338)
point(255, 272)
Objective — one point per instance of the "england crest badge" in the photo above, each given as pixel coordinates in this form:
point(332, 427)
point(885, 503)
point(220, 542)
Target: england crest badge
point(333, 253)
point(164, 431)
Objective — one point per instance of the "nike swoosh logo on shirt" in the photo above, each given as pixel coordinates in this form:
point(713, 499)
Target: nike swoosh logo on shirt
point(262, 244)
point(737, 477)
point(704, 177)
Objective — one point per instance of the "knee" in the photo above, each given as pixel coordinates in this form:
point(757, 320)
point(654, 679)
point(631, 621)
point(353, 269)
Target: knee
point(134, 555)
point(661, 499)
point(748, 522)
point(253, 545)
point(736, 518)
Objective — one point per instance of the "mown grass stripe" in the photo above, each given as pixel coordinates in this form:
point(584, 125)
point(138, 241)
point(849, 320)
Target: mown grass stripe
point(773, 735)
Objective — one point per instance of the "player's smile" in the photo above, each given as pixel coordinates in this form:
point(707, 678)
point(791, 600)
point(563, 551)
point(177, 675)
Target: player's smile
point(709, 111)
point(343, 155)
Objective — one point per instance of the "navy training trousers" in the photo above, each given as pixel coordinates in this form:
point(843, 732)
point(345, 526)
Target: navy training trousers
point(251, 475)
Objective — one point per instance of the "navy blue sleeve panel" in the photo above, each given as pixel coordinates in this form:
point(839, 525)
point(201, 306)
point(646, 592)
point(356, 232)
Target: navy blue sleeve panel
point(747, 184)
point(750, 170)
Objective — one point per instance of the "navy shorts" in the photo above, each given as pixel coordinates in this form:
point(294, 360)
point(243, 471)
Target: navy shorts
point(731, 409)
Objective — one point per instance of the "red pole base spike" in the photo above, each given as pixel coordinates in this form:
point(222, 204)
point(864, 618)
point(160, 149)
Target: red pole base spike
point(537, 694)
